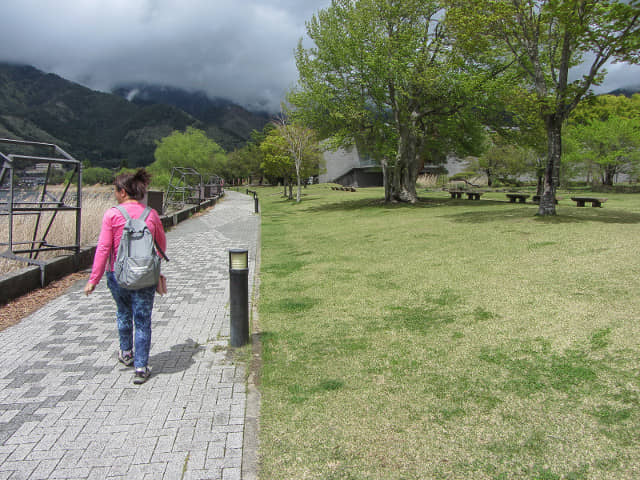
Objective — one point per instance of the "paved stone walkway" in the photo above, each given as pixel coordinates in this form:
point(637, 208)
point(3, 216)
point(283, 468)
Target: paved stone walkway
point(69, 410)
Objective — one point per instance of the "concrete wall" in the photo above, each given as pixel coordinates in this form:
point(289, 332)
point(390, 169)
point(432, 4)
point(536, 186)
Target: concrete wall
point(16, 284)
point(338, 163)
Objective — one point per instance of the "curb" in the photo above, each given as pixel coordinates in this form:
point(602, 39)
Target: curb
point(251, 440)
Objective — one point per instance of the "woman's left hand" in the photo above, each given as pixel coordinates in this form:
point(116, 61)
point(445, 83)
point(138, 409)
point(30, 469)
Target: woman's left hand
point(89, 288)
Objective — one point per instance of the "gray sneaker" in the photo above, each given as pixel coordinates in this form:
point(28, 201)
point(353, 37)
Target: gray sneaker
point(126, 358)
point(141, 375)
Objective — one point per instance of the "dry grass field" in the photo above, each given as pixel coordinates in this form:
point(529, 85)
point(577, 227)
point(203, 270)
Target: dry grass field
point(95, 200)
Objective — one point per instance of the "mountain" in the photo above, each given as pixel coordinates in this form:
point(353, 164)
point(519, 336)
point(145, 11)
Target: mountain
point(229, 124)
point(106, 128)
point(626, 91)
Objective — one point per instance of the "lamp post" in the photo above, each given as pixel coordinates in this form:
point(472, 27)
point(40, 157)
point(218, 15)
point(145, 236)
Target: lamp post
point(239, 296)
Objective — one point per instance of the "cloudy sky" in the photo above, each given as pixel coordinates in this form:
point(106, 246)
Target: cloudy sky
point(238, 49)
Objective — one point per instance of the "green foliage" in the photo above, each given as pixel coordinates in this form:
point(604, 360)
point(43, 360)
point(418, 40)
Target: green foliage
point(188, 149)
point(277, 162)
point(383, 75)
point(602, 107)
point(603, 138)
point(605, 147)
point(506, 162)
point(96, 175)
point(540, 41)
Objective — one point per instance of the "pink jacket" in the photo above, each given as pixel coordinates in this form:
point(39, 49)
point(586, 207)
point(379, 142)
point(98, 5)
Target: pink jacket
point(111, 232)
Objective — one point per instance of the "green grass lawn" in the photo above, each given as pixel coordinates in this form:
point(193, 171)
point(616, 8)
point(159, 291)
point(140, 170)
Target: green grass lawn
point(450, 339)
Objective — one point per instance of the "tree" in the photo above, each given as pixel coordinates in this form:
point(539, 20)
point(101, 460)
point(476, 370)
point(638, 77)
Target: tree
point(248, 159)
point(95, 175)
point(612, 144)
point(383, 75)
point(302, 147)
point(597, 128)
point(277, 162)
point(504, 161)
point(190, 149)
point(603, 106)
point(545, 39)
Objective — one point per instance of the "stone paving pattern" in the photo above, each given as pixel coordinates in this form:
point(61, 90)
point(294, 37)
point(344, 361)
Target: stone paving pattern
point(69, 410)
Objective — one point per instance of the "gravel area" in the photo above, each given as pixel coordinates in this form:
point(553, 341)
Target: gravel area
point(17, 309)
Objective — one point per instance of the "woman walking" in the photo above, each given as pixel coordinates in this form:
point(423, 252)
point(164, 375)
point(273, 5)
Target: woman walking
point(134, 306)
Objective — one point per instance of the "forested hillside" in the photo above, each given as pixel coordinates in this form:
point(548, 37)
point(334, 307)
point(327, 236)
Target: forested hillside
point(106, 129)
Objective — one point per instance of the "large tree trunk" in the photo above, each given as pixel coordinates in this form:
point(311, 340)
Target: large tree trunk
point(552, 171)
point(406, 169)
point(609, 175)
point(386, 180)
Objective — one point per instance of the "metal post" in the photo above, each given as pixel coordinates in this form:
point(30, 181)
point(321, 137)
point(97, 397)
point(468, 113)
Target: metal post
point(255, 200)
point(239, 296)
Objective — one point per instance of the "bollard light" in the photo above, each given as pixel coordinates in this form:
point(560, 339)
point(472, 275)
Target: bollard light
point(239, 296)
point(238, 259)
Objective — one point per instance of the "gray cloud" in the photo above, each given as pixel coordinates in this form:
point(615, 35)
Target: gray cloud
point(242, 50)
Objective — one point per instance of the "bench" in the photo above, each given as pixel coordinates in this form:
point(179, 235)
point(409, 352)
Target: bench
point(595, 202)
point(520, 197)
point(536, 199)
point(470, 195)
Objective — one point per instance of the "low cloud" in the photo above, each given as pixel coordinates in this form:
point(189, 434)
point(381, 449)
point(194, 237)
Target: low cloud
point(240, 50)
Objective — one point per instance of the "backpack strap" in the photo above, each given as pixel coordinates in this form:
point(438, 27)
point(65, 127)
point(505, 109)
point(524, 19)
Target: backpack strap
point(162, 254)
point(124, 212)
point(145, 213)
point(143, 216)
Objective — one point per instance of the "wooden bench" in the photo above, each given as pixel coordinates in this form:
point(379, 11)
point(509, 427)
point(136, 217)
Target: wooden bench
point(474, 195)
point(595, 202)
point(519, 197)
point(456, 193)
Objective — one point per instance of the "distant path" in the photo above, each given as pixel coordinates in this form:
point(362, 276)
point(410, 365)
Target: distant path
point(69, 410)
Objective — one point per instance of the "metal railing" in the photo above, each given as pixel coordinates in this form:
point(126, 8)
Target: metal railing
point(26, 191)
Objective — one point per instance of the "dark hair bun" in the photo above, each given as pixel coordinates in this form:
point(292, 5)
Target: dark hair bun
point(142, 176)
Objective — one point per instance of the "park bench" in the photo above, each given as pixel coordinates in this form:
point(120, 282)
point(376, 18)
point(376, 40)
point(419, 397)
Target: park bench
point(536, 199)
point(470, 195)
point(520, 197)
point(595, 202)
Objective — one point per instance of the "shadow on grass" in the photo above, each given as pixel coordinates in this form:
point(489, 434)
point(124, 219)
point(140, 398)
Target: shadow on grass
point(569, 215)
point(479, 213)
point(379, 204)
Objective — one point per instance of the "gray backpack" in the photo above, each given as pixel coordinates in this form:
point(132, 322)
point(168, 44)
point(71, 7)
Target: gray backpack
point(137, 265)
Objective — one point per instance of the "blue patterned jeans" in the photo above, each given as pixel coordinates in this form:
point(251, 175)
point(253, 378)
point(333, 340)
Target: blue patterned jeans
point(134, 308)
